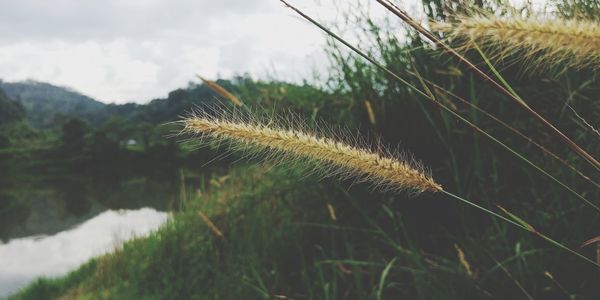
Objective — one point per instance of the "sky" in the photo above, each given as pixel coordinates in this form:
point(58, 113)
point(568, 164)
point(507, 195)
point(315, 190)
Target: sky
point(137, 50)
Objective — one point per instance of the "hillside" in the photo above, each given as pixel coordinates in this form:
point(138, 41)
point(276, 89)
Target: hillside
point(45, 105)
point(162, 110)
point(44, 102)
point(10, 110)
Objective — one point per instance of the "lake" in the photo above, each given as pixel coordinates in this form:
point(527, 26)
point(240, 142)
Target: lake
point(24, 259)
point(50, 222)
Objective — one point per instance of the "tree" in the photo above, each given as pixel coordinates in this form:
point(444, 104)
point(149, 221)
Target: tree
point(145, 131)
point(117, 129)
point(73, 136)
point(10, 111)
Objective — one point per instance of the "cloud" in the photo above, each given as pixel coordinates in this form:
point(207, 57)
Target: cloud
point(107, 19)
point(137, 50)
point(107, 70)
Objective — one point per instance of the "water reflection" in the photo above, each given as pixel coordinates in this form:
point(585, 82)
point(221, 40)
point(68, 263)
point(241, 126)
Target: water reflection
point(50, 204)
point(24, 259)
point(53, 218)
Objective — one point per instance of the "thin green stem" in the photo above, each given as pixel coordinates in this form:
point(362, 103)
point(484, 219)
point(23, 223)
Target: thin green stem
point(543, 236)
point(498, 75)
point(514, 130)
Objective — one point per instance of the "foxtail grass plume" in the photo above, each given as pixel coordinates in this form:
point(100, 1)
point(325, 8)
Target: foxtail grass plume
point(221, 91)
point(541, 43)
point(334, 158)
point(370, 112)
point(211, 225)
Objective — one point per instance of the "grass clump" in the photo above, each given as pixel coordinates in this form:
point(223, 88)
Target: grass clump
point(57, 288)
point(203, 267)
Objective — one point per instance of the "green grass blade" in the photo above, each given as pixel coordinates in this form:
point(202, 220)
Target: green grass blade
point(497, 74)
point(384, 275)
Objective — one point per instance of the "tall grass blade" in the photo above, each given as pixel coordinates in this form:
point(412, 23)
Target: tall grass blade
point(526, 228)
point(384, 275)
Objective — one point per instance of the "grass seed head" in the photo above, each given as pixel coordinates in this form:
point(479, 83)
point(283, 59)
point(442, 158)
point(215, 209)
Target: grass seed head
point(332, 157)
point(221, 91)
point(542, 43)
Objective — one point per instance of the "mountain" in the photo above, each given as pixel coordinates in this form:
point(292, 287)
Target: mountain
point(45, 103)
point(10, 111)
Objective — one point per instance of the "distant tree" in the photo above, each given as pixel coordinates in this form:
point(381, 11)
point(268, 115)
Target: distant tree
point(117, 129)
point(102, 147)
point(177, 97)
point(10, 111)
point(145, 131)
point(73, 135)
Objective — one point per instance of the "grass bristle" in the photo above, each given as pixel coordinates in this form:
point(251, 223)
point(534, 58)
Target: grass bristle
point(292, 143)
point(542, 43)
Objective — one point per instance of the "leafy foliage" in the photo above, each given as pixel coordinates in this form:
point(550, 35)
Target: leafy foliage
point(10, 111)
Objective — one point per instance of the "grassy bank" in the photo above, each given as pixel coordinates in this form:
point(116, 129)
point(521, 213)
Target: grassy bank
point(274, 235)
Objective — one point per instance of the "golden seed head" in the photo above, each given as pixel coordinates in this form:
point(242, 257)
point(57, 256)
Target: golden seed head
point(543, 43)
point(336, 157)
point(221, 91)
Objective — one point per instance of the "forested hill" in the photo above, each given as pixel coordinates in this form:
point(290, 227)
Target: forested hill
point(161, 110)
point(10, 110)
point(47, 105)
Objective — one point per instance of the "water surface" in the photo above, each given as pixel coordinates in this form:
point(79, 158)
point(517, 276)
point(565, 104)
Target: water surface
point(24, 259)
point(52, 219)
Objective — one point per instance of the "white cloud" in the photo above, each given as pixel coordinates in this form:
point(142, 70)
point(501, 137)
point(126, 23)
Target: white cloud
point(120, 51)
point(105, 70)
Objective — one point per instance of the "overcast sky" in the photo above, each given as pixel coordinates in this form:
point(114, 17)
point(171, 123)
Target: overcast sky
point(136, 50)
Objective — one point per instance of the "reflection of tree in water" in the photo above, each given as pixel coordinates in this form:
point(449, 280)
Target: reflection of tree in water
point(36, 201)
point(12, 211)
point(75, 197)
point(130, 192)
point(105, 185)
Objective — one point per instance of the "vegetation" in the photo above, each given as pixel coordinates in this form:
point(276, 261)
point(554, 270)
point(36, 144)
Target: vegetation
point(266, 230)
point(345, 160)
point(11, 111)
point(45, 104)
